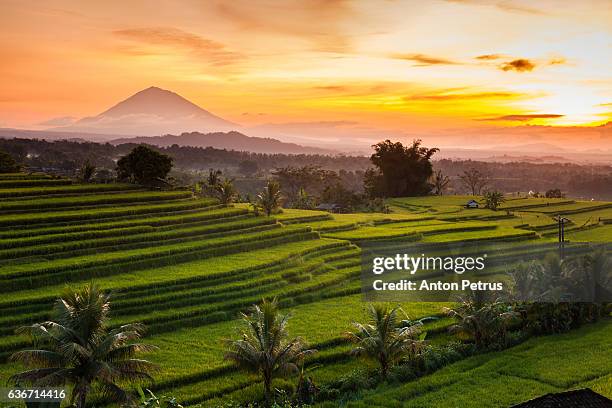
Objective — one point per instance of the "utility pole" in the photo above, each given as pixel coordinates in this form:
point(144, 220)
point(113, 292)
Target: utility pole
point(561, 225)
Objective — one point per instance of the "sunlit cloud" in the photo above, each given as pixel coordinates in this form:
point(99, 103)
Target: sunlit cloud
point(489, 57)
point(518, 65)
point(524, 118)
point(451, 95)
point(173, 38)
point(424, 60)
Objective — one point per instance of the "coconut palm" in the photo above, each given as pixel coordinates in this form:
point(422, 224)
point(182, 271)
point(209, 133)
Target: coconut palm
point(269, 200)
point(264, 347)
point(484, 323)
point(78, 349)
point(384, 338)
point(226, 191)
point(493, 199)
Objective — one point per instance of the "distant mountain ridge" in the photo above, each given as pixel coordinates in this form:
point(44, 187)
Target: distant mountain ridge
point(151, 112)
point(230, 140)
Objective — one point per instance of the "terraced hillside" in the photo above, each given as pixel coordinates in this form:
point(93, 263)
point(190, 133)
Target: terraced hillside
point(185, 267)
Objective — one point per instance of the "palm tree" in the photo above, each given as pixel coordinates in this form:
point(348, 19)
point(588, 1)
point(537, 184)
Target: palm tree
point(79, 349)
point(87, 171)
point(384, 339)
point(270, 199)
point(485, 323)
point(493, 199)
point(264, 347)
point(226, 191)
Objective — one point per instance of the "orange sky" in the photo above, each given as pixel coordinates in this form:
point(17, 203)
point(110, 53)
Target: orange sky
point(368, 67)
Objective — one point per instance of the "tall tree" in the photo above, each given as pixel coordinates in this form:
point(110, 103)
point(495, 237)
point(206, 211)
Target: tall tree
point(440, 182)
point(383, 339)
point(79, 349)
point(7, 163)
point(405, 171)
point(144, 165)
point(313, 179)
point(265, 347)
point(87, 171)
point(269, 200)
point(226, 192)
point(474, 180)
point(493, 199)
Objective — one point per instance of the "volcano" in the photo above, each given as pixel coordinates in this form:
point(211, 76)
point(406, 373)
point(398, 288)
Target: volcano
point(152, 112)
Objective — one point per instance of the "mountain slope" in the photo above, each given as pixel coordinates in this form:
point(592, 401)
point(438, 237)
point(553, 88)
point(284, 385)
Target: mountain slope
point(152, 111)
point(231, 141)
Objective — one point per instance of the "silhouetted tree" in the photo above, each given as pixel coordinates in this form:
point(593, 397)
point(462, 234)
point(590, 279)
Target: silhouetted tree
point(7, 163)
point(554, 193)
point(144, 165)
point(473, 180)
point(440, 182)
point(87, 171)
point(404, 171)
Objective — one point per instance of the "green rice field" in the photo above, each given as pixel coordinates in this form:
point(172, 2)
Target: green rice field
point(186, 267)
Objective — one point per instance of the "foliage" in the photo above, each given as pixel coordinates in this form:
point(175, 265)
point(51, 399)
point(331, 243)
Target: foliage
point(7, 163)
point(403, 171)
point(152, 401)
point(383, 339)
point(474, 180)
point(80, 350)
point(303, 201)
point(269, 200)
point(264, 347)
point(485, 323)
point(248, 167)
point(87, 171)
point(338, 194)
point(312, 179)
point(226, 192)
point(377, 205)
point(144, 165)
point(493, 199)
point(440, 182)
point(554, 193)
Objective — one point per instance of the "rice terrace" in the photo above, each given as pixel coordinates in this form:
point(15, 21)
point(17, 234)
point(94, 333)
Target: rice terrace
point(186, 266)
point(306, 204)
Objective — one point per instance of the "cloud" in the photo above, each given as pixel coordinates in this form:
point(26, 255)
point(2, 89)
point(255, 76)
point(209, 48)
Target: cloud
point(557, 61)
point(320, 22)
point(505, 5)
point(173, 38)
point(424, 60)
point(61, 121)
point(488, 57)
point(518, 65)
point(524, 118)
point(450, 95)
point(333, 88)
point(513, 7)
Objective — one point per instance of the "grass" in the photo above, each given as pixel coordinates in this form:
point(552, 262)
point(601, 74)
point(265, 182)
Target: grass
point(536, 367)
point(65, 190)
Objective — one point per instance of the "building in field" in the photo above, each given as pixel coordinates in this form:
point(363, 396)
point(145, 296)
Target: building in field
point(585, 398)
point(472, 204)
